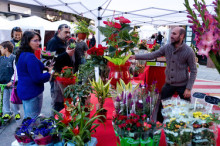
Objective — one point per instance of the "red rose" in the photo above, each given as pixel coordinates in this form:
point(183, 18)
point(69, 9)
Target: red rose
point(138, 124)
point(100, 52)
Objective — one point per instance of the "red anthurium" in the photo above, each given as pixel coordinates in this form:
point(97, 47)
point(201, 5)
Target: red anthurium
point(122, 20)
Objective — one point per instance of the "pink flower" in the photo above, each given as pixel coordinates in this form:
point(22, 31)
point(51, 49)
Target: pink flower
point(208, 38)
point(203, 49)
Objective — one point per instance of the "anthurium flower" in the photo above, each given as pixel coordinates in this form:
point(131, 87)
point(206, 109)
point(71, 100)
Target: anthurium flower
point(122, 19)
point(112, 24)
point(117, 25)
point(129, 42)
point(109, 23)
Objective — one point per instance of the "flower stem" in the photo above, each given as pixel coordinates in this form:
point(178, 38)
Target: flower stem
point(215, 59)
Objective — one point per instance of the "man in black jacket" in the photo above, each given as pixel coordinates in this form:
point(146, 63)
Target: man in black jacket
point(59, 44)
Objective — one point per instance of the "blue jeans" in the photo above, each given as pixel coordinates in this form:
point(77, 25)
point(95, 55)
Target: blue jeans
point(6, 103)
point(32, 107)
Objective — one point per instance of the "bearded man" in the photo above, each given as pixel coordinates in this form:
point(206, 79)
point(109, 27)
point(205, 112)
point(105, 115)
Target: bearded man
point(179, 57)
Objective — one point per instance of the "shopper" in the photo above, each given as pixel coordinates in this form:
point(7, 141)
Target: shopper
point(7, 70)
point(59, 45)
point(16, 34)
point(31, 78)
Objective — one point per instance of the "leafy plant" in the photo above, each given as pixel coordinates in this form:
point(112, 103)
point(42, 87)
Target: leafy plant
point(119, 60)
point(83, 27)
point(101, 90)
point(119, 35)
point(78, 127)
point(72, 45)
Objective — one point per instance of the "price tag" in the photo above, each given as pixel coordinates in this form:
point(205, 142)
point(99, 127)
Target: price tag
point(157, 63)
point(162, 64)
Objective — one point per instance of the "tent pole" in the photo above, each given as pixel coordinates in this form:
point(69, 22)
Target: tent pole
point(99, 18)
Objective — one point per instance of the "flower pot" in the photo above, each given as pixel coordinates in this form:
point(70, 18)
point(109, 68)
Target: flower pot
point(24, 139)
point(93, 142)
point(82, 36)
point(104, 113)
point(118, 72)
point(44, 140)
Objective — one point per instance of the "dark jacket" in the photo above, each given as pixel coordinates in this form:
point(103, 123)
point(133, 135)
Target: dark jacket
point(59, 46)
point(92, 42)
point(6, 67)
point(178, 60)
point(30, 75)
point(81, 47)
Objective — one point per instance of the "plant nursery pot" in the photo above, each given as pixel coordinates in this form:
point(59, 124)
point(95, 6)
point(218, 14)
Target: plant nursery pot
point(118, 72)
point(82, 36)
point(104, 113)
point(24, 139)
point(93, 142)
point(44, 140)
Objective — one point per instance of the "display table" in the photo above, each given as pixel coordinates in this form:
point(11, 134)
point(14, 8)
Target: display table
point(153, 73)
point(105, 133)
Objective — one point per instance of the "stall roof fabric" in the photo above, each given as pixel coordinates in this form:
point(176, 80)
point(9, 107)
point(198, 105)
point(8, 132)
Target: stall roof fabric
point(140, 12)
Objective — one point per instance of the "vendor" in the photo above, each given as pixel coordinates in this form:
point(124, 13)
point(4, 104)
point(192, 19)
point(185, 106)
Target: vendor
point(179, 57)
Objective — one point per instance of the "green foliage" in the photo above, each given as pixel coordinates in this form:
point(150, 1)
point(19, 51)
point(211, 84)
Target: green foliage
point(119, 60)
point(125, 38)
point(101, 90)
point(83, 27)
point(72, 45)
point(82, 90)
point(79, 129)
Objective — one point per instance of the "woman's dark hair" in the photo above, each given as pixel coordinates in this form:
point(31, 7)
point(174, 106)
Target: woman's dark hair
point(25, 40)
point(18, 29)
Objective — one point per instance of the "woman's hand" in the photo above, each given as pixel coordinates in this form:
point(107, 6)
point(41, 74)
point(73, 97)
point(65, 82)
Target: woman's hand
point(9, 84)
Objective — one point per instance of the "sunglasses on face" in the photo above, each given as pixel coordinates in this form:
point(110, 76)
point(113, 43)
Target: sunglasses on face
point(16, 29)
point(63, 26)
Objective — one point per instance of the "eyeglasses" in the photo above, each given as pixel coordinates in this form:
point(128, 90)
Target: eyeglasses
point(36, 41)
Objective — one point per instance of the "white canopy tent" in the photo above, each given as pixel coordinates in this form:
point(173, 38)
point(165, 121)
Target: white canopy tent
point(71, 24)
point(35, 22)
point(140, 12)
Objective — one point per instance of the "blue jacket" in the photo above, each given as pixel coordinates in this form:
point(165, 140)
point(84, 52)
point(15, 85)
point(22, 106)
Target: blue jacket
point(31, 78)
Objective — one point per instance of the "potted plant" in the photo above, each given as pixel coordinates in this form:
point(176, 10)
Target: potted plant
point(101, 92)
point(119, 69)
point(23, 133)
point(98, 60)
point(121, 39)
point(43, 130)
point(82, 29)
point(77, 130)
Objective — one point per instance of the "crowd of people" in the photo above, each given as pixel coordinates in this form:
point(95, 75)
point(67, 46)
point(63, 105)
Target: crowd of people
point(19, 65)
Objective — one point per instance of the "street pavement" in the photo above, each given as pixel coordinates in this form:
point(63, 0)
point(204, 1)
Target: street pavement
point(208, 81)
